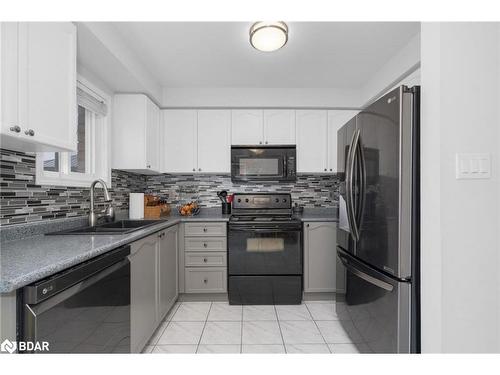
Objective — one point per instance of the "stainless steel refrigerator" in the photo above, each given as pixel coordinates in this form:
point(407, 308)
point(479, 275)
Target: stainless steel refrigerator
point(378, 231)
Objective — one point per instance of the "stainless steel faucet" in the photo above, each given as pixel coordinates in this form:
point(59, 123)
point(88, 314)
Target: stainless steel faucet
point(108, 212)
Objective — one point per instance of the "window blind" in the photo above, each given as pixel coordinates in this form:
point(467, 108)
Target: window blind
point(90, 102)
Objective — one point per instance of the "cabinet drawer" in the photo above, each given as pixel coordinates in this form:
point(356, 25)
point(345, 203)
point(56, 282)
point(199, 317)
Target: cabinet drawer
point(205, 229)
point(205, 259)
point(206, 280)
point(205, 244)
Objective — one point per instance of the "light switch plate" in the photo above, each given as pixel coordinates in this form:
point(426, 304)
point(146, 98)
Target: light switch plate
point(473, 166)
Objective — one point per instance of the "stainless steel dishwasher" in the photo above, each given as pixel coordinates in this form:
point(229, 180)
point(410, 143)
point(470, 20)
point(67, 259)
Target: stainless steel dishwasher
point(84, 309)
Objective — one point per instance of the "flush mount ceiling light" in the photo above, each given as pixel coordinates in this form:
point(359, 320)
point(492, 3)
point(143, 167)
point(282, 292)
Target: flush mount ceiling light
point(268, 36)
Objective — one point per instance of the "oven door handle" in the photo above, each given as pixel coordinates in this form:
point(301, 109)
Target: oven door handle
point(264, 230)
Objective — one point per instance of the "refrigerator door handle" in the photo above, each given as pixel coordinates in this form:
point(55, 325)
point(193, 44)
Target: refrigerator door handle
point(372, 280)
point(362, 185)
point(351, 212)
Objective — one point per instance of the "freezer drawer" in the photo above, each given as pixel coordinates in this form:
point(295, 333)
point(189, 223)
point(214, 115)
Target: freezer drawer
point(379, 307)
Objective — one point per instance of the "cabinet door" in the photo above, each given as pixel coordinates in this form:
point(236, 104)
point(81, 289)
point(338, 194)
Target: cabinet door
point(247, 127)
point(129, 143)
point(336, 119)
point(311, 141)
point(179, 141)
point(214, 141)
point(8, 78)
point(47, 83)
point(152, 136)
point(167, 270)
point(143, 291)
point(279, 127)
point(320, 256)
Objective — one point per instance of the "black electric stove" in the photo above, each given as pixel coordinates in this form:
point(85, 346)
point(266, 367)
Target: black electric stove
point(264, 250)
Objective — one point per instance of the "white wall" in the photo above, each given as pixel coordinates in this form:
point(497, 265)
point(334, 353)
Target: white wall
point(260, 97)
point(460, 218)
point(396, 69)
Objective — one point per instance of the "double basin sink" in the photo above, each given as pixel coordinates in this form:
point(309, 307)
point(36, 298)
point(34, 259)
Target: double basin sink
point(116, 227)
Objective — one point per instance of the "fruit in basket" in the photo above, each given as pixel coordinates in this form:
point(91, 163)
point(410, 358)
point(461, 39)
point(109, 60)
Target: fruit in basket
point(188, 208)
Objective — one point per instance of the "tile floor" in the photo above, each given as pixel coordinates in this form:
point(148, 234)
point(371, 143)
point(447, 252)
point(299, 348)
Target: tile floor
point(217, 327)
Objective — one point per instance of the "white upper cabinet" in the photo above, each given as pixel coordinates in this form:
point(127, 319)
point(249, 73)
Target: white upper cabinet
point(179, 141)
point(214, 141)
point(135, 135)
point(152, 136)
point(312, 130)
point(38, 86)
point(247, 127)
point(336, 119)
point(279, 127)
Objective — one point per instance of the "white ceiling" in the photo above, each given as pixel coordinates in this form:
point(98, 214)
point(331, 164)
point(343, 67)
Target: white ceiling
point(218, 54)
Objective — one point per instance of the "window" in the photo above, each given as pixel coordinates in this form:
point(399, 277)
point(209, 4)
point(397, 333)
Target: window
point(90, 160)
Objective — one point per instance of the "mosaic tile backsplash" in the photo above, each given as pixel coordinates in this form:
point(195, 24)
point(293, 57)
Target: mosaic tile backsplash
point(308, 191)
point(21, 200)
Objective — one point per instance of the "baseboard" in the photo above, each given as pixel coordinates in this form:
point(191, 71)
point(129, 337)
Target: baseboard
point(203, 297)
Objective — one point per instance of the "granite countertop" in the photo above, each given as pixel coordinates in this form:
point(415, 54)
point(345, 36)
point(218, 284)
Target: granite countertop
point(32, 258)
point(35, 256)
point(319, 214)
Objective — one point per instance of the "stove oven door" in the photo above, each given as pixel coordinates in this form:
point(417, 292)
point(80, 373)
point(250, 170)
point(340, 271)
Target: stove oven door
point(262, 249)
point(265, 264)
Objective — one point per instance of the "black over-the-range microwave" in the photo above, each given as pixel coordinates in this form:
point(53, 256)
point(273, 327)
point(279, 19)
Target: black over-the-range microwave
point(263, 163)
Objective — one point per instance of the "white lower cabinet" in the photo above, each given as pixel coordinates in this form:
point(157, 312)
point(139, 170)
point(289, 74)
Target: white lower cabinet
point(154, 283)
point(167, 270)
point(320, 258)
point(204, 258)
point(206, 280)
point(142, 292)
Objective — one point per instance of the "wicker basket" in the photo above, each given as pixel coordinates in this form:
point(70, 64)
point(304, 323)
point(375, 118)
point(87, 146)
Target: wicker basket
point(156, 212)
point(153, 209)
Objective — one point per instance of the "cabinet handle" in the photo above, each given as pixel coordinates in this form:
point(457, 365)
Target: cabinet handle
point(205, 244)
point(204, 229)
point(194, 169)
point(308, 225)
point(325, 169)
point(30, 132)
point(330, 169)
point(266, 142)
point(16, 129)
point(260, 142)
point(205, 260)
point(149, 165)
point(205, 281)
point(199, 169)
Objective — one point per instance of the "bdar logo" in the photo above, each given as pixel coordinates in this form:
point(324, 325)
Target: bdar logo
point(8, 346)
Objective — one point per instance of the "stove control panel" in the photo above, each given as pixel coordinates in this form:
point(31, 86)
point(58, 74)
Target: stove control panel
point(262, 201)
